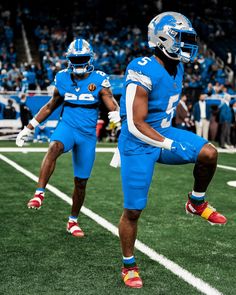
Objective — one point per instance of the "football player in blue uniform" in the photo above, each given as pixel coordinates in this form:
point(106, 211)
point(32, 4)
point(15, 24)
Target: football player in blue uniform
point(80, 89)
point(151, 93)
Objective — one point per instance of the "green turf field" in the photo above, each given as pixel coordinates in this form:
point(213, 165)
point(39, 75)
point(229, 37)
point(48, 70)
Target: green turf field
point(39, 257)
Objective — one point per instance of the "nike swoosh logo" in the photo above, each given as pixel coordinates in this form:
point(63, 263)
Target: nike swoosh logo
point(183, 148)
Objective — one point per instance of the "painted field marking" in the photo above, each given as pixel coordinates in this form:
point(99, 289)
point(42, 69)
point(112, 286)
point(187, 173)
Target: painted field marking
point(227, 167)
point(232, 183)
point(44, 150)
point(185, 275)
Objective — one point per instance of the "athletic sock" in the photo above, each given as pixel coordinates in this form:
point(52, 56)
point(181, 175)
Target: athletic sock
point(197, 198)
point(73, 218)
point(40, 190)
point(129, 261)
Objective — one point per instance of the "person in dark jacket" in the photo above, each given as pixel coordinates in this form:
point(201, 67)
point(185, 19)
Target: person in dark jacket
point(9, 112)
point(25, 113)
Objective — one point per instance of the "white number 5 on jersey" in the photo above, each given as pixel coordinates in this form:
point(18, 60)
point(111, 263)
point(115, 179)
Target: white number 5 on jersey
point(169, 111)
point(144, 61)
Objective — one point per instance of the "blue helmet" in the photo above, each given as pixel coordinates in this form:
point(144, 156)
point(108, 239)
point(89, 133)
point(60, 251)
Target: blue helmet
point(173, 33)
point(80, 57)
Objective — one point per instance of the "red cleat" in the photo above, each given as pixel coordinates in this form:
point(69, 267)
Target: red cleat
point(74, 229)
point(131, 277)
point(36, 201)
point(205, 211)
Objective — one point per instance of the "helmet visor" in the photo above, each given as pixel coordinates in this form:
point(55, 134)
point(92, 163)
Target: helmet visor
point(79, 60)
point(189, 38)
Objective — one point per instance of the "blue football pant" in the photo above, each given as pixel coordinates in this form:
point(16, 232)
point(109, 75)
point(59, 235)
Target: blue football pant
point(137, 167)
point(82, 145)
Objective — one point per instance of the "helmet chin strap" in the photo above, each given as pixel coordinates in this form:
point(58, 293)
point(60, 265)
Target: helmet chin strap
point(168, 55)
point(184, 57)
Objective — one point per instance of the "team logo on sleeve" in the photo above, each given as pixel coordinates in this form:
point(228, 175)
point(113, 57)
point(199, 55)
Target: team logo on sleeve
point(92, 87)
point(106, 83)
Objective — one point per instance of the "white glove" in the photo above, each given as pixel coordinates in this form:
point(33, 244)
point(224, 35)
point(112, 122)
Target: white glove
point(114, 117)
point(20, 139)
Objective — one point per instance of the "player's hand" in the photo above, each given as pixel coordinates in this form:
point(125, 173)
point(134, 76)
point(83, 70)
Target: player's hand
point(20, 139)
point(114, 117)
point(184, 150)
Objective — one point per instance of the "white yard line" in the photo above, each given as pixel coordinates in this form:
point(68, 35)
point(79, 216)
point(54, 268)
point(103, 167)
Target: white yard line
point(227, 167)
point(43, 150)
point(232, 183)
point(185, 275)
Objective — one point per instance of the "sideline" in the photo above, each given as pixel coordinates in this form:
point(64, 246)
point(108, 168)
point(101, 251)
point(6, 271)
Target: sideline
point(188, 277)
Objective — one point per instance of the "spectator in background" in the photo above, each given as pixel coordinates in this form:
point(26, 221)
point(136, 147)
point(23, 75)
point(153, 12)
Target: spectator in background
point(209, 89)
point(233, 126)
point(42, 133)
point(202, 115)
point(214, 122)
point(25, 113)
point(99, 129)
point(225, 119)
point(9, 111)
point(182, 117)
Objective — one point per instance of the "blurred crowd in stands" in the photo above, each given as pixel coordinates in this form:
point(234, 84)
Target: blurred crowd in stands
point(117, 31)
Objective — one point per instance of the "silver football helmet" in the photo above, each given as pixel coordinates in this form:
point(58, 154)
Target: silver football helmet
point(80, 57)
point(173, 33)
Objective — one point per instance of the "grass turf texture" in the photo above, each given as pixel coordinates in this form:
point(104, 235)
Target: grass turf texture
point(39, 257)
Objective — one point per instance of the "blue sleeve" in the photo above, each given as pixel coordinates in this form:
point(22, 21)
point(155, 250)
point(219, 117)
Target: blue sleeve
point(103, 79)
point(59, 85)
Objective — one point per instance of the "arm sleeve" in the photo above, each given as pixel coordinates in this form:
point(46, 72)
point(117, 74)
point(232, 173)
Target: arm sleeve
point(130, 95)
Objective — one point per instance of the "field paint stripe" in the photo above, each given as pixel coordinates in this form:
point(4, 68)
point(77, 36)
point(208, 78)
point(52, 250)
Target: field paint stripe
point(168, 264)
point(232, 183)
point(41, 150)
point(226, 167)
point(98, 149)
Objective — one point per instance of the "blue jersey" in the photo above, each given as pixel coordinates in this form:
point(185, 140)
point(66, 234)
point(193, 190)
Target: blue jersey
point(163, 92)
point(81, 99)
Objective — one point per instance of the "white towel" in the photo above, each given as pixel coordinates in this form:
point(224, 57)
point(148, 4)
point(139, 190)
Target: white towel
point(115, 161)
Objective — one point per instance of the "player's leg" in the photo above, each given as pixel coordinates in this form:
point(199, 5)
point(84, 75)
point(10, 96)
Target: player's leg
point(136, 173)
point(77, 202)
point(61, 141)
point(203, 172)
point(83, 158)
point(205, 159)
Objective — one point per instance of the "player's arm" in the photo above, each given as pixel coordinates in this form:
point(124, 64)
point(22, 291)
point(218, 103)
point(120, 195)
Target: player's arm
point(109, 100)
point(42, 115)
point(111, 104)
point(55, 101)
point(137, 112)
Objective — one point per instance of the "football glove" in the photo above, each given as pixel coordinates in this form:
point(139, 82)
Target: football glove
point(184, 150)
point(20, 139)
point(114, 117)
